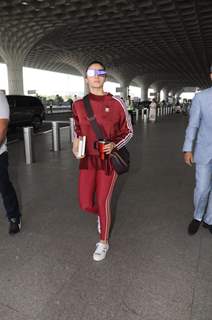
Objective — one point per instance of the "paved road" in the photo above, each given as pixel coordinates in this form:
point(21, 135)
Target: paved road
point(153, 271)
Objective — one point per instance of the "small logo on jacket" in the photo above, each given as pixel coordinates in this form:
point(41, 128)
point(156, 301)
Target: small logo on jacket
point(107, 109)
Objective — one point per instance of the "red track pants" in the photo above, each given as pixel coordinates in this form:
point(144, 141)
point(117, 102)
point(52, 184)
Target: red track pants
point(95, 192)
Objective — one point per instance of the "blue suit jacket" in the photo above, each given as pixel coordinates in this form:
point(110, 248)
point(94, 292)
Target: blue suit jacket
point(199, 129)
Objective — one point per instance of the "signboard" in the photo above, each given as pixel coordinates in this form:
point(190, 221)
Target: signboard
point(31, 91)
point(120, 89)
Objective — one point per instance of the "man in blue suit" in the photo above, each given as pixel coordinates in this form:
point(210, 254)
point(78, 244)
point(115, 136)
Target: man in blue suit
point(199, 138)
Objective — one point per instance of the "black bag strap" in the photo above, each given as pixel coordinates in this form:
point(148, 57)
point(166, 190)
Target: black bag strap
point(91, 117)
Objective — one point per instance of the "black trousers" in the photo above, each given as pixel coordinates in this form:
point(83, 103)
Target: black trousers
point(7, 190)
point(132, 116)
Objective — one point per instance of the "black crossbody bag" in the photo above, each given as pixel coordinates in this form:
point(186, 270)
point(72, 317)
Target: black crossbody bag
point(120, 158)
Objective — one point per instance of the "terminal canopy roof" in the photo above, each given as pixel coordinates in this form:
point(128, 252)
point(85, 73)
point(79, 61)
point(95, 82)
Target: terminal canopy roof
point(160, 40)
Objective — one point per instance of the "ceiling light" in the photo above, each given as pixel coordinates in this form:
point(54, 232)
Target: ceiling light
point(24, 3)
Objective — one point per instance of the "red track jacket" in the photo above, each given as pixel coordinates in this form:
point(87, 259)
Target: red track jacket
point(111, 114)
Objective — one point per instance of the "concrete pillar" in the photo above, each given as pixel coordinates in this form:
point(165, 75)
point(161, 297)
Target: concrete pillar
point(165, 94)
point(15, 75)
point(144, 92)
point(161, 95)
point(125, 90)
point(171, 96)
point(176, 96)
point(157, 88)
point(157, 96)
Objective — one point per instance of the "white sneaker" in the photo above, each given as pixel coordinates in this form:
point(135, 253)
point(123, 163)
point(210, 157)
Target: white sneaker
point(101, 251)
point(98, 225)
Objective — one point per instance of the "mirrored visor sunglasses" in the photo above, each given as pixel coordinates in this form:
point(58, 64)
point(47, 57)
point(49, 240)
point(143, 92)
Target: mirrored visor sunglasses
point(94, 72)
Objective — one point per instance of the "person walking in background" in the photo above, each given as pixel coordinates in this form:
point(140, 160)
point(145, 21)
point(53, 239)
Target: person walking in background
point(7, 190)
point(71, 103)
point(178, 108)
point(75, 98)
point(130, 108)
point(199, 137)
point(97, 177)
point(51, 106)
point(153, 110)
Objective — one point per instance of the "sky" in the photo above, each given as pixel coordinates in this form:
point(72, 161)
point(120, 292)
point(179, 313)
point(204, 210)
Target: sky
point(48, 83)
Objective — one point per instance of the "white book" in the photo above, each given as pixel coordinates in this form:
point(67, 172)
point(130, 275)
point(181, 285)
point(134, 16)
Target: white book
point(81, 147)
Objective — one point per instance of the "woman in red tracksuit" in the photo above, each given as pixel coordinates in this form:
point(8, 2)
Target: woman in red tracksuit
point(97, 177)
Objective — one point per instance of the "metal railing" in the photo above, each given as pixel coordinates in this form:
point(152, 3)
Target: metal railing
point(56, 145)
point(161, 113)
point(56, 138)
point(28, 145)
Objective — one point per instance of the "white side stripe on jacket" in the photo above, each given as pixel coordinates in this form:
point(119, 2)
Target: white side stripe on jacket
point(124, 141)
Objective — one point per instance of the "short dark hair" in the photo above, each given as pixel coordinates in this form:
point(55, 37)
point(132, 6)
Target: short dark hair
point(94, 62)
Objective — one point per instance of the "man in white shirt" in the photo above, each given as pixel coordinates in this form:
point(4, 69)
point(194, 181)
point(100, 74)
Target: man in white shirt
point(6, 188)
